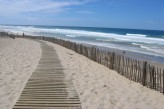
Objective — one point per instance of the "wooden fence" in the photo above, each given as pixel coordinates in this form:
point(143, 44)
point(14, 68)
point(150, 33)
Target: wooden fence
point(139, 71)
point(4, 34)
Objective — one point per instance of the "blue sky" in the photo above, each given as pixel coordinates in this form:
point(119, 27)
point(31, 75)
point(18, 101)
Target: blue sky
point(141, 14)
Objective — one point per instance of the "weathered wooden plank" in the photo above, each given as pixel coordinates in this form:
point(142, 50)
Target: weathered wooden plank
point(49, 91)
point(40, 94)
point(48, 102)
point(56, 99)
point(32, 107)
point(48, 105)
point(48, 96)
point(144, 73)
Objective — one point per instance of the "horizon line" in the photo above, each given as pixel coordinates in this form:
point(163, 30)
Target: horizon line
point(83, 27)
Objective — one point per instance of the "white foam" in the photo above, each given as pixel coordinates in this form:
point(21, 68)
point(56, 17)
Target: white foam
point(153, 49)
point(76, 33)
point(137, 44)
point(136, 39)
point(69, 35)
point(137, 50)
point(136, 35)
point(144, 47)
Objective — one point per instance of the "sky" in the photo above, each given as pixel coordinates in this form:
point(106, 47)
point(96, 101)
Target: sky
point(135, 14)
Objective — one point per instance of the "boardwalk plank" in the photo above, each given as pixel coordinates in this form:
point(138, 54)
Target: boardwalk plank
point(47, 87)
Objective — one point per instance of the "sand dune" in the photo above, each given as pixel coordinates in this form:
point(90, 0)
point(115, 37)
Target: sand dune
point(18, 59)
point(101, 88)
point(98, 87)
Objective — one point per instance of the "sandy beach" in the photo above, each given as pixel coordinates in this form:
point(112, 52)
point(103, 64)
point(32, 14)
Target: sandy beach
point(81, 54)
point(101, 88)
point(18, 59)
point(97, 86)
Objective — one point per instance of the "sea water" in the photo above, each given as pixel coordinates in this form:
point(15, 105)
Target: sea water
point(146, 42)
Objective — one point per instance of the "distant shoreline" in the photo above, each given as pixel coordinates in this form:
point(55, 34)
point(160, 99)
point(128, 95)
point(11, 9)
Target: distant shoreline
point(130, 54)
point(84, 27)
point(157, 60)
point(150, 43)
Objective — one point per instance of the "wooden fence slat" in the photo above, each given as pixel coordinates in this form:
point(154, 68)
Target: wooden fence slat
point(112, 61)
point(144, 73)
point(163, 80)
point(160, 81)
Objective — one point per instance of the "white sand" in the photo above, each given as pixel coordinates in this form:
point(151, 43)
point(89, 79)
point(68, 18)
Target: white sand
point(18, 59)
point(101, 88)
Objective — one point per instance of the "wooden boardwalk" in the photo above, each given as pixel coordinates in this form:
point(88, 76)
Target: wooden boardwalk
point(47, 87)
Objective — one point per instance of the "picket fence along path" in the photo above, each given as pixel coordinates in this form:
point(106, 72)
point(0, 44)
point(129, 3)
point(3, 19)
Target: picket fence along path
point(149, 75)
point(47, 88)
point(4, 34)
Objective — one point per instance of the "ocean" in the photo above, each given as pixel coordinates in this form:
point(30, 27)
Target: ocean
point(149, 43)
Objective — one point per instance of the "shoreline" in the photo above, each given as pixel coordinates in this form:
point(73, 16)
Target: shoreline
point(130, 54)
point(151, 59)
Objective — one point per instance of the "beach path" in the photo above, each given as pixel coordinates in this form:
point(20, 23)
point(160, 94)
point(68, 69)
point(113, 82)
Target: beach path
point(47, 88)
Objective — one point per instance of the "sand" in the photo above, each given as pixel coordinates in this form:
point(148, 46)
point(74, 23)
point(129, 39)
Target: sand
point(98, 87)
point(101, 88)
point(18, 59)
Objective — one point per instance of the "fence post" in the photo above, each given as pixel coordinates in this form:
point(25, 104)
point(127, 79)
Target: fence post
point(163, 81)
point(112, 61)
point(144, 73)
point(119, 62)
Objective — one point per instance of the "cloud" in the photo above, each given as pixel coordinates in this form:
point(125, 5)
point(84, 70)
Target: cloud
point(85, 12)
point(17, 7)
